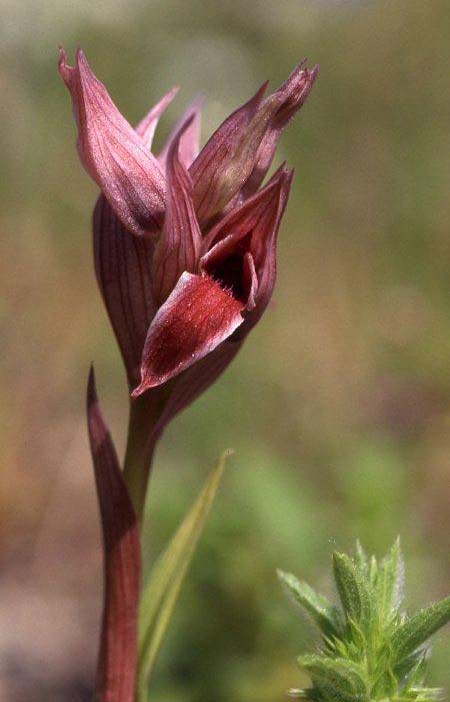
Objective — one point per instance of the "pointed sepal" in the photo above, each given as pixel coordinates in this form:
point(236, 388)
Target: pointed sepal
point(178, 247)
point(215, 171)
point(147, 126)
point(112, 152)
point(123, 266)
point(289, 98)
point(234, 162)
point(189, 124)
point(252, 227)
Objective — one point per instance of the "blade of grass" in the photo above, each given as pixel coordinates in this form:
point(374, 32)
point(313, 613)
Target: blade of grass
point(161, 592)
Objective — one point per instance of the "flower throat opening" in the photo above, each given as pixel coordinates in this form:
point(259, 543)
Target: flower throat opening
point(230, 272)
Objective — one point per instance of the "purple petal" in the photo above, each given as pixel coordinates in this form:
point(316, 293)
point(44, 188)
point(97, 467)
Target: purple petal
point(117, 662)
point(292, 94)
point(266, 257)
point(190, 124)
point(112, 152)
point(234, 165)
point(254, 228)
point(198, 377)
point(193, 321)
point(250, 282)
point(147, 126)
point(254, 219)
point(216, 163)
point(123, 265)
point(179, 245)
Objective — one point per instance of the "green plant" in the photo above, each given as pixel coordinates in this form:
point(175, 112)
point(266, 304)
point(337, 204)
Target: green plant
point(371, 651)
point(185, 258)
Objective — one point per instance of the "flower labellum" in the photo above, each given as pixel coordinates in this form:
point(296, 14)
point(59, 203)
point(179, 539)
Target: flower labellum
point(184, 240)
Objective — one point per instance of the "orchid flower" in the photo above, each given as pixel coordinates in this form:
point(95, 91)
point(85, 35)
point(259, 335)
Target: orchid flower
point(185, 242)
point(185, 257)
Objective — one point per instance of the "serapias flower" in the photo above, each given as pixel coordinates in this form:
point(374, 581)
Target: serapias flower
point(185, 257)
point(185, 242)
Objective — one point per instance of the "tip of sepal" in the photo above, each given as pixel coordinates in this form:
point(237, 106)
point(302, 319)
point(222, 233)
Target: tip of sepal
point(172, 92)
point(64, 69)
point(174, 148)
point(289, 177)
point(196, 104)
point(314, 71)
point(283, 175)
point(80, 56)
point(303, 66)
point(256, 100)
point(82, 65)
point(91, 394)
point(282, 180)
point(258, 96)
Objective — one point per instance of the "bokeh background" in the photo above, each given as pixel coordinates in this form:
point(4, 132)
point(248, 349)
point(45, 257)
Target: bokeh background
point(338, 406)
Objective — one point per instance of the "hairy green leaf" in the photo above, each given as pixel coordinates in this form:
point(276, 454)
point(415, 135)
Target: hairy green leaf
point(325, 615)
point(361, 559)
point(161, 592)
point(404, 669)
point(416, 676)
point(390, 583)
point(385, 686)
point(377, 654)
point(373, 571)
point(418, 628)
point(337, 679)
point(353, 590)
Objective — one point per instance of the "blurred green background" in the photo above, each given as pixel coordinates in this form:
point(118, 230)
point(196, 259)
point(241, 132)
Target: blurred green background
point(338, 406)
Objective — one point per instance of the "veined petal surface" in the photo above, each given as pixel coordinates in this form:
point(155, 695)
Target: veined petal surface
point(123, 266)
point(190, 124)
point(112, 152)
point(178, 247)
point(213, 170)
point(147, 126)
point(292, 94)
point(197, 316)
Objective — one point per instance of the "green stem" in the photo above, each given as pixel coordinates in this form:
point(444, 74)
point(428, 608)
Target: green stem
point(144, 413)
